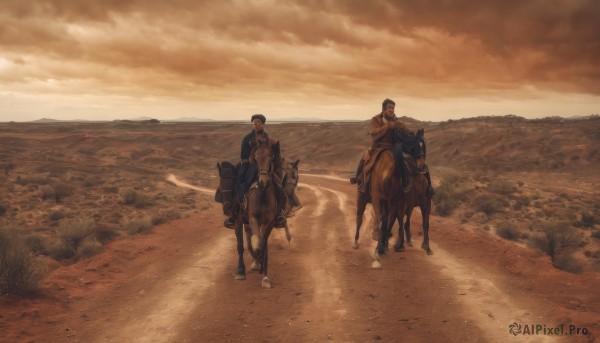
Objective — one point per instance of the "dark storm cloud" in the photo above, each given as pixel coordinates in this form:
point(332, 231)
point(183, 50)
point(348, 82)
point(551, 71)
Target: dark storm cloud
point(334, 47)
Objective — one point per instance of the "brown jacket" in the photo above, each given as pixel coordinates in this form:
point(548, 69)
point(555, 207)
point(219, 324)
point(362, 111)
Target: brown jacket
point(381, 135)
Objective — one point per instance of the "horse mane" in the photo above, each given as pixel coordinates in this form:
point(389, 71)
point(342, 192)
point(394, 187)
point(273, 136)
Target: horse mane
point(410, 140)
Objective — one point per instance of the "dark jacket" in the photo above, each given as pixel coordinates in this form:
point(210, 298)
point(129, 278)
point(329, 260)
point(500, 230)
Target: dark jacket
point(249, 142)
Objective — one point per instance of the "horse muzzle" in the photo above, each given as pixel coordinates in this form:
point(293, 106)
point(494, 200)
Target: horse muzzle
point(263, 181)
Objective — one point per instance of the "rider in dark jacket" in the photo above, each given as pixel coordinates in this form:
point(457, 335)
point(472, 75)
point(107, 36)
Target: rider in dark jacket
point(247, 172)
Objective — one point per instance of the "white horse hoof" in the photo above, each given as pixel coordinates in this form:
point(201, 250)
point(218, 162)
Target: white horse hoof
point(240, 277)
point(376, 265)
point(255, 266)
point(265, 283)
point(355, 245)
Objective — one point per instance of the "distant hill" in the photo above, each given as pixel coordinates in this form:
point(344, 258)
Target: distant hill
point(189, 119)
point(45, 120)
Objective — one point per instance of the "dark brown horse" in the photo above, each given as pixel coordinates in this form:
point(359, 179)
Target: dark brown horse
point(261, 209)
point(289, 184)
point(419, 194)
point(386, 193)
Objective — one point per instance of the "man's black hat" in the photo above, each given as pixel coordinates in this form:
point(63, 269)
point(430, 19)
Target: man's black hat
point(259, 116)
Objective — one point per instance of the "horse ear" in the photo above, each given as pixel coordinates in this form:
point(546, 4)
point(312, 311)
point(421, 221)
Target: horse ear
point(275, 147)
point(296, 164)
point(219, 167)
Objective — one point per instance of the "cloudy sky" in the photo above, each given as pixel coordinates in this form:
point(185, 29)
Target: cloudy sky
point(438, 59)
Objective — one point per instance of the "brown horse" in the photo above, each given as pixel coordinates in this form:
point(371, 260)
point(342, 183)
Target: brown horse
point(418, 195)
point(261, 209)
point(386, 193)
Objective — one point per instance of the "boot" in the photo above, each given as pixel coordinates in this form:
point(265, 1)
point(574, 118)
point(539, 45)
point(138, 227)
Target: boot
point(362, 184)
point(230, 222)
point(356, 179)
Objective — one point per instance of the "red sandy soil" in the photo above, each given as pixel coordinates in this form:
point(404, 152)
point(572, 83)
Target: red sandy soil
point(175, 284)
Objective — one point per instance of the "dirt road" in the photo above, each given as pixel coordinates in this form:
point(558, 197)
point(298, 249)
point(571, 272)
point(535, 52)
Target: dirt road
point(175, 284)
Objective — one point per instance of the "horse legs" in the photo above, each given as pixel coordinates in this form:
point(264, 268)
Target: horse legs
point(265, 283)
point(361, 205)
point(425, 245)
point(407, 227)
point(385, 219)
point(287, 233)
point(400, 243)
point(239, 234)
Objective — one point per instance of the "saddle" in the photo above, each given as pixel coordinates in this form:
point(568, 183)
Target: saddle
point(244, 205)
point(374, 157)
point(224, 193)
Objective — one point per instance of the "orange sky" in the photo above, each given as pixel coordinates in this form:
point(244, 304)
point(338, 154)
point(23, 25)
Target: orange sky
point(70, 59)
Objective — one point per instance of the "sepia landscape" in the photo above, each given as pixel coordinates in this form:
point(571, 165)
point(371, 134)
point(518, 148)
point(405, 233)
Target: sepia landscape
point(116, 118)
point(123, 241)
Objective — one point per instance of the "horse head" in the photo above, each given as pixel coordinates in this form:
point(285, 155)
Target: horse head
point(291, 174)
point(263, 159)
point(419, 149)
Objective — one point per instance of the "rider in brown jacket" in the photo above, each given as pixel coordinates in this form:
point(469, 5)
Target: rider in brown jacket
point(384, 127)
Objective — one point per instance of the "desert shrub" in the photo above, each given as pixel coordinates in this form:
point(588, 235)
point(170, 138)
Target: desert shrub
point(596, 234)
point(139, 225)
point(105, 234)
point(89, 247)
point(2, 210)
point(450, 193)
point(60, 250)
point(508, 230)
point(56, 215)
point(72, 233)
point(587, 220)
point(565, 196)
point(555, 240)
point(130, 196)
point(165, 217)
point(445, 199)
point(488, 204)
point(61, 190)
point(142, 200)
point(569, 264)
point(453, 178)
point(37, 179)
point(501, 186)
point(56, 191)
point(20, 272)
point(521, 202)
point(37, 243)
point(47, 192)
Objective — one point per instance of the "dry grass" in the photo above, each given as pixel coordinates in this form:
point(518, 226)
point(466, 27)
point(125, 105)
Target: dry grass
point(89, 247)
point(130, 196)
point(508, 230)
point(556, 239)
point(20, 272)
point(139, 225)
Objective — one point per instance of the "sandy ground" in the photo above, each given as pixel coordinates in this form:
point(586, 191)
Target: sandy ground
point(175, 284)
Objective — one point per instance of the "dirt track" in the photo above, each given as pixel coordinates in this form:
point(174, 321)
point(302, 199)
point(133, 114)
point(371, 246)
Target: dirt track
point(176, 285)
